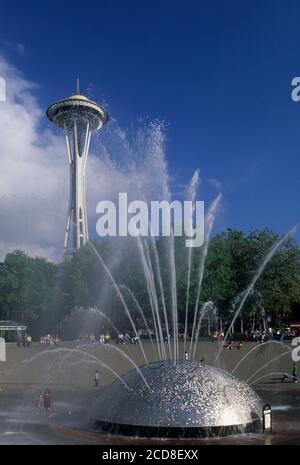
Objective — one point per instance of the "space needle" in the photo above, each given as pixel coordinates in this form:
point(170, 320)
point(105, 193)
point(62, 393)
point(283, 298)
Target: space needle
point(78, 116)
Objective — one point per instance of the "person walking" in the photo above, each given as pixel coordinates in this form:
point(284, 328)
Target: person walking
point(294, 373)
point(97, 378)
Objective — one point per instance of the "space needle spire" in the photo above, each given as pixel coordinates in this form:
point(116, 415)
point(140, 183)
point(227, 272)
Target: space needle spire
point(78, 116)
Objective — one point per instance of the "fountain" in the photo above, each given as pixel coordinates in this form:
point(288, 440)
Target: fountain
point(186, 399)
point(172, 397)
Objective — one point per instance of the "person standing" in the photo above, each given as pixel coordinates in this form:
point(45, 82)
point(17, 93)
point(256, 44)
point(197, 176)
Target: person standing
point(294, 374)
point(97, 378)
point(47, 402)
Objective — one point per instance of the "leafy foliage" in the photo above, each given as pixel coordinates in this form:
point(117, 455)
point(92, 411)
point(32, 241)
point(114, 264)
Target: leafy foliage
point(42, 294)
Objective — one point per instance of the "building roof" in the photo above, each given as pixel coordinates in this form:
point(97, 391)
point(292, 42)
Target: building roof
point(8, 325)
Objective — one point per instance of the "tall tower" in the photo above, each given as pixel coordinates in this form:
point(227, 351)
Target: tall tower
point(78, 116)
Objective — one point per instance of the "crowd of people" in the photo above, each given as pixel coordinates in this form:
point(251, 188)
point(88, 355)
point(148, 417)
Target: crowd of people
point(107, 338)
point(92, 339)
point(24, 340)
point(259, 335)
point(248, 335)
point(49, 340)
point(265, 335)
point(127, 337)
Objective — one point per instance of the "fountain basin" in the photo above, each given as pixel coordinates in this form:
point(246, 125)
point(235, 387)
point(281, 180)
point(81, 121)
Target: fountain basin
point(189, 399)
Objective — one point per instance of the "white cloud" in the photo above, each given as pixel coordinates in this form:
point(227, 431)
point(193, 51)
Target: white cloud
point(33, 173)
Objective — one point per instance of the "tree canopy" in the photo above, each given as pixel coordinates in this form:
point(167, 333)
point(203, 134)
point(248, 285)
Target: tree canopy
point(42, 294)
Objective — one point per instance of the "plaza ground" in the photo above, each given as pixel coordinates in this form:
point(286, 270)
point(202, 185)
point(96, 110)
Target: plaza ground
point(68, 370)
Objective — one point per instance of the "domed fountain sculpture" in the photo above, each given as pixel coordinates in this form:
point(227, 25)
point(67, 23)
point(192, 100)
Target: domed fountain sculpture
point(189, 399)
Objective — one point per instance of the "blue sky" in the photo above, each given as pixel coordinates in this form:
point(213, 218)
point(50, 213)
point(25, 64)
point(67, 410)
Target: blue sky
point(218, 72)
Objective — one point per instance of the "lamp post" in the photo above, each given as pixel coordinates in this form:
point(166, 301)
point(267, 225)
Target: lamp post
point(267, 418)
